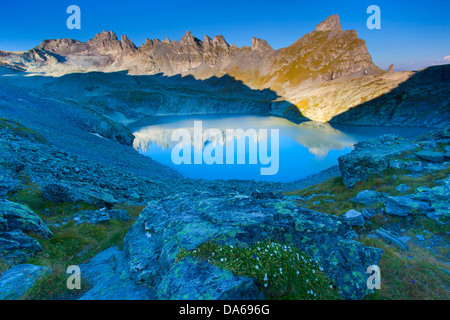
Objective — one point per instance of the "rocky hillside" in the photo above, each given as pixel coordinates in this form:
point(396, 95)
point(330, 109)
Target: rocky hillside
point(324, 73)
point(422, 100)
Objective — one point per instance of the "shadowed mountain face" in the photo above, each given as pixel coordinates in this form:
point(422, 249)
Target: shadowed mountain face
point(324, 73)
point(124, 99)
point(422, 100)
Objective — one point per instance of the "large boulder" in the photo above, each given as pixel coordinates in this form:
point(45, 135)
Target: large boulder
point(406, 205)
point(181, 283)
point(184, 222)
point(431, 156)
point(372, 157)
point(15, 221)
point(64, 192)
point(17, 280)
point(433, 202)
point(108, 275)
point(16, 247)
point(17, 216)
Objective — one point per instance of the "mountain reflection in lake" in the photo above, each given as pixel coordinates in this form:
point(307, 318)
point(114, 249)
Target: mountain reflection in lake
point(304, 149)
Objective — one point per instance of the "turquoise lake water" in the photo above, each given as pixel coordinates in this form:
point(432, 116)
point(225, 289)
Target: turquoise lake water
point(303, 149)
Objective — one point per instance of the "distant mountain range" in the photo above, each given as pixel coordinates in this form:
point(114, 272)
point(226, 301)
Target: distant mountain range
point(323, 74)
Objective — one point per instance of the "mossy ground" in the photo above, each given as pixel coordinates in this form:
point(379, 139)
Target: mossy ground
point(71, 244)
point(281, 271)
point(417, 274)
point(20, 130)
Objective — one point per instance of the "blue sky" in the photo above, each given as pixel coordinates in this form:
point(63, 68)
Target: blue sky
point(414, 33)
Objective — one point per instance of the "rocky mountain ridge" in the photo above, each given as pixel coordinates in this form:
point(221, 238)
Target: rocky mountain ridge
point(308, 74)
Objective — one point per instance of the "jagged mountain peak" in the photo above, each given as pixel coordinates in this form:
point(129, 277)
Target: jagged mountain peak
point(331, 23)
point(189, 39)
point(260, 46)
point(105, 35)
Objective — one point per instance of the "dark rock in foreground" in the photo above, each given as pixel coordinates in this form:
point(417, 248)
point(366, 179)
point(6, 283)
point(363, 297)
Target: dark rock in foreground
point(15, 221)
point(186, 221)
point(372, 157)
point(17, 280)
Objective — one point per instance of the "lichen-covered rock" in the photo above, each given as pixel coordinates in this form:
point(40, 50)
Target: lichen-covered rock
point(355, 218)
point(431, 156)
point(372, 157)
point(8, 182)
point(109, 275)
point(406, 205)
point(184, 221)
point(368, 197)
point(17, 280)
point(17, 216)
point(16, 247)
point(184, 282)
point(63, 192)
point(100, 216)
point(433, 202)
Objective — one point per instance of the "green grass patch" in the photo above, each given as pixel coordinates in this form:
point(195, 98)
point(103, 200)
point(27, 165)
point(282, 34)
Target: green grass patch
point(71, 244)
point(281, 271)
point(20, 130)
point(338, 201)
point(411, 275)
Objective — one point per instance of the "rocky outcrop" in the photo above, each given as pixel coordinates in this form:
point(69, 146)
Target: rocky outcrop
point(19, 217)
point(16, 221)
point(108, 275)
point(100, 216)
point(432, 202)
point(17, 280)
point(63, 192)
point(372, 157)
point(152, 245)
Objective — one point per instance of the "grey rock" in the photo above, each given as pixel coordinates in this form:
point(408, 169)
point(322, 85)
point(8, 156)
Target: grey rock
point(17, 216)
point(181, 283)
point(354, 217)
point(369, 213)
point(405, 239)
point(420, 237)
point(351, 235)
point(162, 229)
point(406, 205)
point(8, 182)
point(63, 192)
point(431, 156)
point(331, 23)
point(403, 188)
point(391, 239)
point(368, 197)
point(428, 145)
point(412, 166)
point(17, 280)
point(100, 216)
point(16, 247)
point(372, 157)
point(108, 273)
